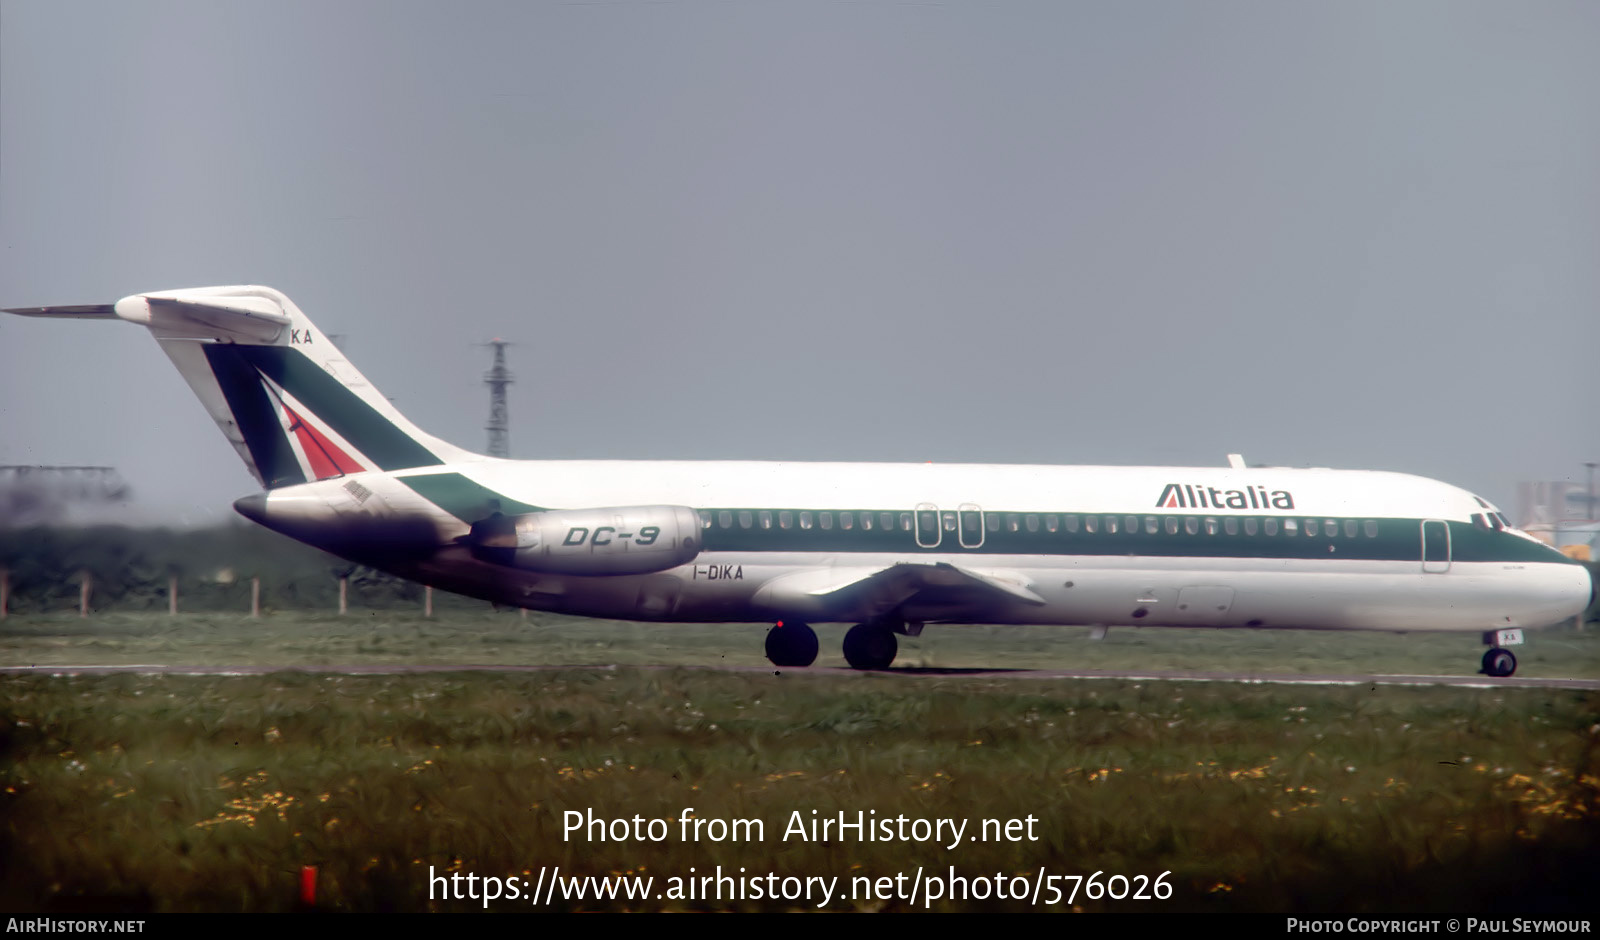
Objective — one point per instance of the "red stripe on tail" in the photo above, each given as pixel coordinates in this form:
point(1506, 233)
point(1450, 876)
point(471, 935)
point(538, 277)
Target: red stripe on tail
point(327, 460)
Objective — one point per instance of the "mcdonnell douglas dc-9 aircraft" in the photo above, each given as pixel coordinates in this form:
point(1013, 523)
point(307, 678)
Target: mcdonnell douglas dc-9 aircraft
point(887, 547)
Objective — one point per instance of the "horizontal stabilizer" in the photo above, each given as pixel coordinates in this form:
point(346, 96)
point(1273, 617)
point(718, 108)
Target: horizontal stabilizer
point(239, 316)
point(79, 312)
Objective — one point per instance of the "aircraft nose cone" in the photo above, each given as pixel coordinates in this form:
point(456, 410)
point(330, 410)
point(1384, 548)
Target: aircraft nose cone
point(252, 507)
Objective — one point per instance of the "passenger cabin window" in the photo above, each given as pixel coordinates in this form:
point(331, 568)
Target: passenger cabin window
point(746, 519)
point(1152, 525)
point(866, 521)
point(1130, 524)
point(785, 519)
point(1051, 523)
point(992, 521)
point(1311, 527)
point(725, 519)
point(1349, 528)
point(1250, 526)
point(1090, 524)
point(705, 518)
point(765, 516)
point(1269, 526)
point(1371, 528)
point(1331, 527)
point(825, 519)
point(905, 522)
point(1211, 525)
point(846, 520)
point(1111, 525)
point(1172, 525)
point(948, 520)
point(1070, 523)
point(1230, 525)
point(1031, 521)
point(1291, 527)
point(1013, 522)
point(1191, 525)
point(805, 520)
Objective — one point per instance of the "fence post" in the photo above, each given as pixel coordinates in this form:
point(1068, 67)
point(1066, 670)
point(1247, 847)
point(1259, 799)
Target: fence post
point(427, 601)
point(344, 595)
point(83, 592)
point(172, 595)
point(255, 597)
point(5, 590)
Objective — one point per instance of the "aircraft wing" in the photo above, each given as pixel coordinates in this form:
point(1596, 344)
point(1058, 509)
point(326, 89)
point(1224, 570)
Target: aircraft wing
point(938, 591)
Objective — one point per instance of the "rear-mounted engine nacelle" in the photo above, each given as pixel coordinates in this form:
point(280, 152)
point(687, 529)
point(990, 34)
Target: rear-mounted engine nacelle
point(613, 540)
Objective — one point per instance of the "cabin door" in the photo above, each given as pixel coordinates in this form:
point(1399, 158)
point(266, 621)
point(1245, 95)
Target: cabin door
point(1435, 546)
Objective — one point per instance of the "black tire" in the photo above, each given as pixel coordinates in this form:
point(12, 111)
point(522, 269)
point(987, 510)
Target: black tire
point(1499, 662)
point(792, 645)
point(870, 647)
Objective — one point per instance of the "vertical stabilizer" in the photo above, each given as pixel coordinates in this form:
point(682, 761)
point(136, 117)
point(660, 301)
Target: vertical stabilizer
point(286, 398)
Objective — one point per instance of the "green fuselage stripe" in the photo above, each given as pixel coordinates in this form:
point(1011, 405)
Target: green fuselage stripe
point(1396, 539)
point(463, 498)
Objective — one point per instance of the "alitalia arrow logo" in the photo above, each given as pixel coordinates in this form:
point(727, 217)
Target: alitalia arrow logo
point(1187, 496)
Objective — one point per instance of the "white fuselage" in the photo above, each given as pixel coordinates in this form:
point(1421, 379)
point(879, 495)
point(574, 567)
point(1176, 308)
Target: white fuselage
point(1271, 547)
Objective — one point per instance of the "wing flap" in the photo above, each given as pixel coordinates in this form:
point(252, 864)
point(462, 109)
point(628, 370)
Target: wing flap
point(869, 593)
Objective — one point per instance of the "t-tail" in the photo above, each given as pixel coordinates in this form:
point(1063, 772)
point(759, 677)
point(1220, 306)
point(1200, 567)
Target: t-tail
point(284, 395)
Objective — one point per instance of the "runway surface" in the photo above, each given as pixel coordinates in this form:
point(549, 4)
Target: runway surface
point(1468, 682)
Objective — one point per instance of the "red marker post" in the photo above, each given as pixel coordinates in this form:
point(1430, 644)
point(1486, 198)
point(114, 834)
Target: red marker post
point(308, 885)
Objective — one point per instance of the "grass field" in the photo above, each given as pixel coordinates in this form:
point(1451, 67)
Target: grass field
point(133, 792)
point(295, 639)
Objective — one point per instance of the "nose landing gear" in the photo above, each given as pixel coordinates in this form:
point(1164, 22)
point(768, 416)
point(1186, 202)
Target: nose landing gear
point(1498, 662)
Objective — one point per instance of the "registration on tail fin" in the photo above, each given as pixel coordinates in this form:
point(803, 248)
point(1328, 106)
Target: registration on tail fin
point(286, 398)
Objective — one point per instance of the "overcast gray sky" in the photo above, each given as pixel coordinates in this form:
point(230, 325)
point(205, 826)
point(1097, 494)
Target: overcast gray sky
point(1352, 234)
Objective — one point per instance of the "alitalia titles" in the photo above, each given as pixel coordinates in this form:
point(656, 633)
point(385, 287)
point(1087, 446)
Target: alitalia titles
point(1189, 496)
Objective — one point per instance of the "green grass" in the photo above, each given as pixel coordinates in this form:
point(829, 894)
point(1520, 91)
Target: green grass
point(195, 793)
point(292, 639)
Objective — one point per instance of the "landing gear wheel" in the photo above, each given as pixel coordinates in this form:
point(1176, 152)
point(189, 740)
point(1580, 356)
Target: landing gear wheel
point(792, 644)
point(868, 646)
point(1499, 662)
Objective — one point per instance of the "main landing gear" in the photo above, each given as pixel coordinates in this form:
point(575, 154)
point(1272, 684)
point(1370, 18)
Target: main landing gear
point(792, 644)
point(870, 646)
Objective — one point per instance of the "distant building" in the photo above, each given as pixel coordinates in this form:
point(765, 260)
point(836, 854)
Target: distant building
point(1561, 512)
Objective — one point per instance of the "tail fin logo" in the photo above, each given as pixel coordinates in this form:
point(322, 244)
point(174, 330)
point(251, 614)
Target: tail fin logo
point(300, 423)
point(324, 458)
